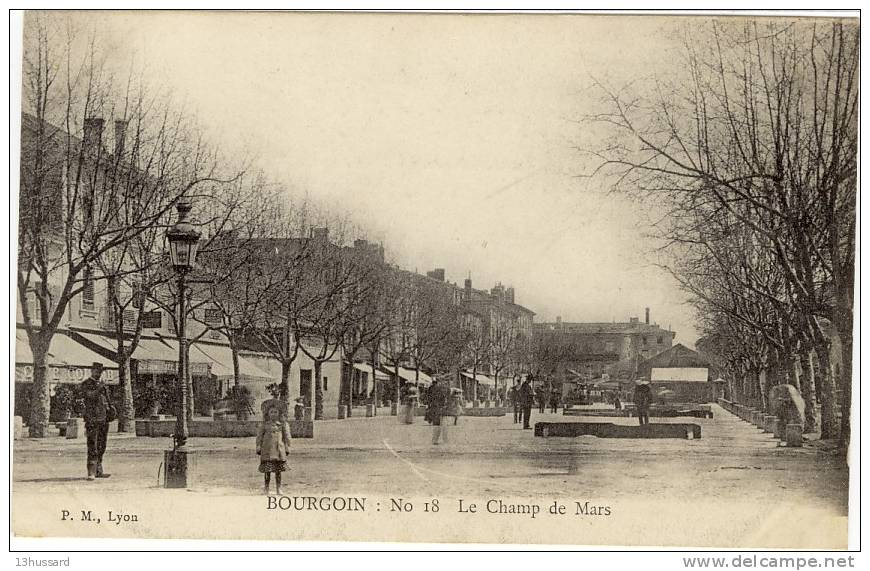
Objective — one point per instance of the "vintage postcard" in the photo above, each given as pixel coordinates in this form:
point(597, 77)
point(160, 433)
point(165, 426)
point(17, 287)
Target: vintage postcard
point(437, 278)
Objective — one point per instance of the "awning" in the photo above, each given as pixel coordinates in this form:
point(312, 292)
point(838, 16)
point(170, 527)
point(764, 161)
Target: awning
point(161, 357)
point(68, 361)
point(221, 357)
point(73, 353)
point(481, 379)
point(411, 376)
point(366, 368)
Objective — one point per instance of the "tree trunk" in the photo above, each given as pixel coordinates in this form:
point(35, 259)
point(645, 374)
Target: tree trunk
point(318, 390)
point(808, 391)
point(284, 388)
point(235, 352)
point(40, 401)
point(374, 387)
point(825, 393)
point(844, 330)
point(347, 379)
point(127, 414)
point(762, 385)
point(398, 383)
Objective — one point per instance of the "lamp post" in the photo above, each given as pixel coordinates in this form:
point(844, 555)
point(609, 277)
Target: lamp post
point(183, 241)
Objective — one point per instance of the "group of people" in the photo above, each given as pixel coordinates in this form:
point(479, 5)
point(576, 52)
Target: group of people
point(273, 438)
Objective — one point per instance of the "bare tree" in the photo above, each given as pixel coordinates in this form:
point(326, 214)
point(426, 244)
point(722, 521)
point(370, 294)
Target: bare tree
point(761, 129)
point(80, 202)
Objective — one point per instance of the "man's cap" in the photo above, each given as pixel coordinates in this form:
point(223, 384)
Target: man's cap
point(96, 365)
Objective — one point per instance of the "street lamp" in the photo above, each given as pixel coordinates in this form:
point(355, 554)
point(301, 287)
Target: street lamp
point(183, 240)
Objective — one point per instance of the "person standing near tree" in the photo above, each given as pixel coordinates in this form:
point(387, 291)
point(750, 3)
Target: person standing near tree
point(273, 445)
point(513, 398)
point(436, 409)
point(98, 413)
point(642, 400)
point(527, 400)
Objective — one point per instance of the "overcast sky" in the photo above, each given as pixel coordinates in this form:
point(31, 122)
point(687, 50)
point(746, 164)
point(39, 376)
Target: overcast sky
point(450, 138)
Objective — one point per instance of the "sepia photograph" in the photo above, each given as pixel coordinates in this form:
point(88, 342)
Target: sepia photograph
point(564, 279)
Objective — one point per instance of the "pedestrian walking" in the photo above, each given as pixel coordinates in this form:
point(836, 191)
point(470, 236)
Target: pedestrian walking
point(555, 397)
point(527, 400)
point(617, 403)
point(514, 398)
point(273, 446)
point(455, 405)
point(542, 399)
point(642, 399)
point(439, 401)
point(98, 413)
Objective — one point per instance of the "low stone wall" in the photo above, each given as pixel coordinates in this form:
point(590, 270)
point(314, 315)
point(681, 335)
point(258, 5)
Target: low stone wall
point(219, 428)
point(491, 411)
point(610, 430)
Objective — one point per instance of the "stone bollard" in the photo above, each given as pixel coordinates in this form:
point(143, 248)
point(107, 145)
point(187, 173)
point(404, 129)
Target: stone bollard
point(342, 411)
point(758, 419)
point(768, 420)
point(394, 409)
point(794, 435)
point(779, 429)
point(75, 428)
point(370, 410)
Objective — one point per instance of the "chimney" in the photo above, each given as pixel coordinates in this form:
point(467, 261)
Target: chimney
point(93, 134)
point(647, 316)
point(509, 295)
point(468, 283)
point(120, 136)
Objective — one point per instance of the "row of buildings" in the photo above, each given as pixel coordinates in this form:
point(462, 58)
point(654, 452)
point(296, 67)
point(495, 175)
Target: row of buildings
point(88, 330)
point(501, 340)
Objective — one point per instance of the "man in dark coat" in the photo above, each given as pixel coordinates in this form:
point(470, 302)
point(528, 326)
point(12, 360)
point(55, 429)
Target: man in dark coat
point(514, 398)
point(642, 400)
point(436, 408)
point(527, 400)
point(98, 412)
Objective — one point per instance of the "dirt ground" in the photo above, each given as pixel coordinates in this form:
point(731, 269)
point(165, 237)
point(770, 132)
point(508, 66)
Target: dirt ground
point(735, 486)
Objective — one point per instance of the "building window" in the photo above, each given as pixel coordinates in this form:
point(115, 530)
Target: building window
point(138, 295)
point(659, 340)
point(213, 317)
point(326, 383)
point(33, 301)
point(152, 320)
point(644, 340)
point(88, 290)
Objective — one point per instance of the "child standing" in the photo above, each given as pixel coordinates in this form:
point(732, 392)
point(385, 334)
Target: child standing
point(273, 446)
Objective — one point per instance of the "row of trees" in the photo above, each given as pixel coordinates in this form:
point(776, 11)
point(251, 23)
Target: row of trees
point(270, 275)
point(749, 153)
